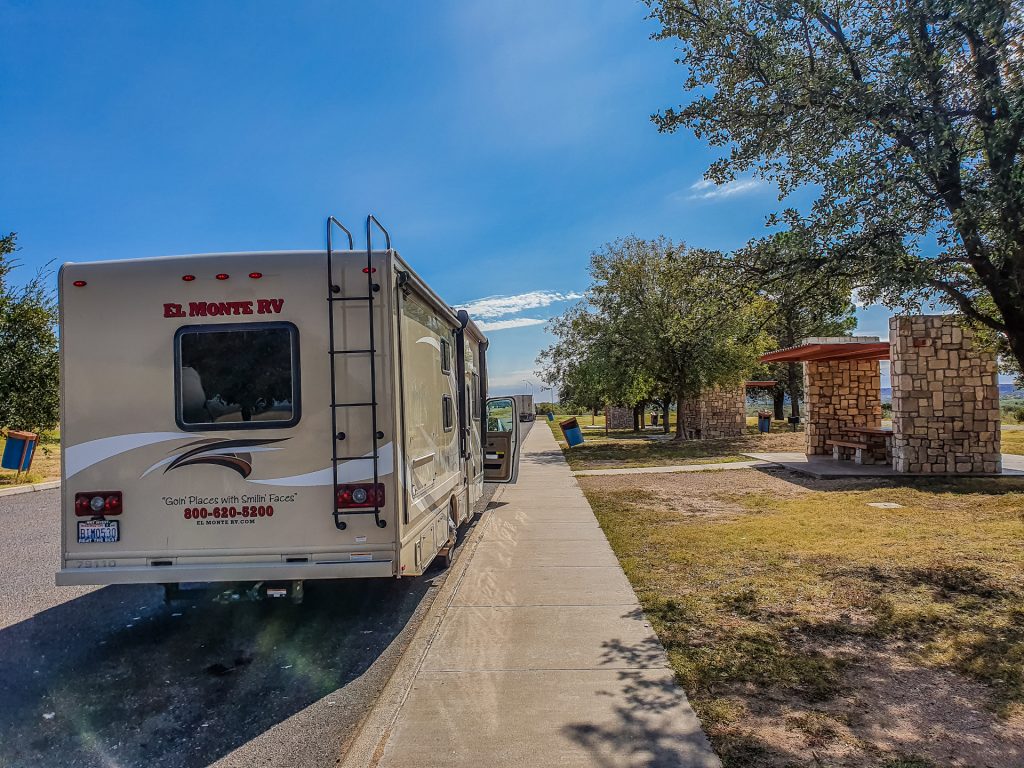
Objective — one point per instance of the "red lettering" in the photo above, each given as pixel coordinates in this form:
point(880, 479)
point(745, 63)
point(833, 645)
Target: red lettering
point(262, 306)
point(197, 309)
point(246, 307)
point(173, 310)
point(276, 305)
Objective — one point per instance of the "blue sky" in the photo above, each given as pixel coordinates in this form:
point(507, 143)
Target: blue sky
point(500, 142)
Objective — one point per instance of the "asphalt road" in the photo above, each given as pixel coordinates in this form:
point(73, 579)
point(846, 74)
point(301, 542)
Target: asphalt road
point(111, 676)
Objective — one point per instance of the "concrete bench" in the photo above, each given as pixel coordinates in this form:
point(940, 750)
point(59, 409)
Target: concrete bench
point(856, 450)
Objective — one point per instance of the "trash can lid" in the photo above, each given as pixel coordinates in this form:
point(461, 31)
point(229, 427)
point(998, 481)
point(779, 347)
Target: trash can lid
point(21, 435)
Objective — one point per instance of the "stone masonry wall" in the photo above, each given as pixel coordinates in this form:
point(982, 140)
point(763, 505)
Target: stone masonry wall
point(945, 409)
point(618, 417)
point(840, 393)
point(718, 412)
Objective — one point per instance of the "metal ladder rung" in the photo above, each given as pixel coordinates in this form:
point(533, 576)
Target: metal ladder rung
point(350, 351)
point(353, 405)
point(357, 458)
point(350, 298)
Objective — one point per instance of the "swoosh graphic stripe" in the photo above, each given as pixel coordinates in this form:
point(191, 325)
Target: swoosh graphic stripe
point(84, 455)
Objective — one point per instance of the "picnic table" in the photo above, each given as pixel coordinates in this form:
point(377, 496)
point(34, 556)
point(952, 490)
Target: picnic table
point(865, 445)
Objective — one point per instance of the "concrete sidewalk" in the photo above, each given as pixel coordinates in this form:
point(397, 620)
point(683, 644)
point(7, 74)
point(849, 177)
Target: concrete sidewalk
point(544, 657)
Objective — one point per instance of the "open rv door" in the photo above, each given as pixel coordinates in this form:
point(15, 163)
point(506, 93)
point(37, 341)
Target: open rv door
point(501, 452)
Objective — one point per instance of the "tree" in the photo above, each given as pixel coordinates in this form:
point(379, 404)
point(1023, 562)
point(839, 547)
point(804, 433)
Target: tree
point(29, 360)
point(672, 319)
point(908, 120)
point(799, 305)
point(590, 363)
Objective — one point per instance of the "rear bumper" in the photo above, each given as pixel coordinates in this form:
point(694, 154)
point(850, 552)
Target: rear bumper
point(175, 574)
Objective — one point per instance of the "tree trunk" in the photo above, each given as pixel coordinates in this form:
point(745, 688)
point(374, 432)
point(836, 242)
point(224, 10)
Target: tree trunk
point(795, 381)
point(666, 406)
point(779, 404)
point(638, 417)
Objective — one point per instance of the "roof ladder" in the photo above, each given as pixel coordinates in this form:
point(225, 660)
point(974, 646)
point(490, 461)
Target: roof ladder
point(372, 289)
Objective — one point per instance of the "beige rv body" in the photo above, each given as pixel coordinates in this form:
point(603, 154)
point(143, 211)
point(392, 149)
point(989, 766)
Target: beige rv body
point(251, 498)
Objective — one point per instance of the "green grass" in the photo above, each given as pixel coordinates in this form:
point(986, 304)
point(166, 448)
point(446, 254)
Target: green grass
point(752, 608)
point(623, 448)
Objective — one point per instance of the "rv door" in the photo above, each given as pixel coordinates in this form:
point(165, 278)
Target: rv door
point(501, 454)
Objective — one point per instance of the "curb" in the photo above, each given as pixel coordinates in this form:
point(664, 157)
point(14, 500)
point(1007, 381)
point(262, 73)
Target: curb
point(30, 488)
point(367, 748)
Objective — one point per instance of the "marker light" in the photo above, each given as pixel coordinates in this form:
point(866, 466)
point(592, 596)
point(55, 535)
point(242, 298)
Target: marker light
point(223, 276)
point(79, 283)
point(368, 270)
point(255, 275)
point(188, 278)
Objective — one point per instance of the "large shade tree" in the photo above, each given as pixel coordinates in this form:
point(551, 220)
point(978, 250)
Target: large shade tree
point(29, 360)
point(799, 305)
point(907, 120)
point(674, 319)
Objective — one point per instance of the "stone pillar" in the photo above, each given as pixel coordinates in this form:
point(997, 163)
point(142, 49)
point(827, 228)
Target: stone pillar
point(618, 417)
point(719, 412)
point(945, 398)
point(837, 394)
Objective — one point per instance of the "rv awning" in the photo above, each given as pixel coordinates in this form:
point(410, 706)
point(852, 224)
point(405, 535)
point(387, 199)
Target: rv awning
point(822, 351)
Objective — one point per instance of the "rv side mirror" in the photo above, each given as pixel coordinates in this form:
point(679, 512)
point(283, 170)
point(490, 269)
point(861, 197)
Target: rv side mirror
point(501, 453)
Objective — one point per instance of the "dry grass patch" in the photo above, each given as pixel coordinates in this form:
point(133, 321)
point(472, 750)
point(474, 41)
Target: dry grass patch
point(622, 448)
point(1013, 441)
point(45, 463)
point(810, 629)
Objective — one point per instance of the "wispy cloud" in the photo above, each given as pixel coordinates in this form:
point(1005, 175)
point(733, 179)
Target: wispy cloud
point(514, 322)
point(499, 306)
point(708, 190)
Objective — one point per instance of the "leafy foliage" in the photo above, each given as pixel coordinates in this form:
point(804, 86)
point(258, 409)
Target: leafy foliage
point(658, 318)
point(908, 120)
point(29, 360)
point(800, 304)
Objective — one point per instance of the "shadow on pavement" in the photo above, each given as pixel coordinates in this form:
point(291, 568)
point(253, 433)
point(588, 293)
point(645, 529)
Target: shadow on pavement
point(118, 678)
point(650, 726)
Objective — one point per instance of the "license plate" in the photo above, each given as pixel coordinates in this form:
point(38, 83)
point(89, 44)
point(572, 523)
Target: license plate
point(98, 531)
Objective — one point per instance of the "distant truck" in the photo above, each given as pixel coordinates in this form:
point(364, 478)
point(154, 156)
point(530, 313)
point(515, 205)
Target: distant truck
point(524, 404)
point(201, 446)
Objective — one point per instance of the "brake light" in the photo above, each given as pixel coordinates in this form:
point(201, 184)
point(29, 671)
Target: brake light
point(79, 283)
point(359, 496)
point(98, 503)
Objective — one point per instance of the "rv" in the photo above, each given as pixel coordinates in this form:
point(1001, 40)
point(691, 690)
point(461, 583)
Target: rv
point(269, 418)
point(524, 404)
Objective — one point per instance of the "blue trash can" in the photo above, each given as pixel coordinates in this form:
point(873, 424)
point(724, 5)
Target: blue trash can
point(571, 430)
point(764, 423)
point(551, 416)
point(18, 453)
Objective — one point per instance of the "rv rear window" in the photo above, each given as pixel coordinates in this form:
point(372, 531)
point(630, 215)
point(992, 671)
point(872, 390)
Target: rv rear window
point(237, 376)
